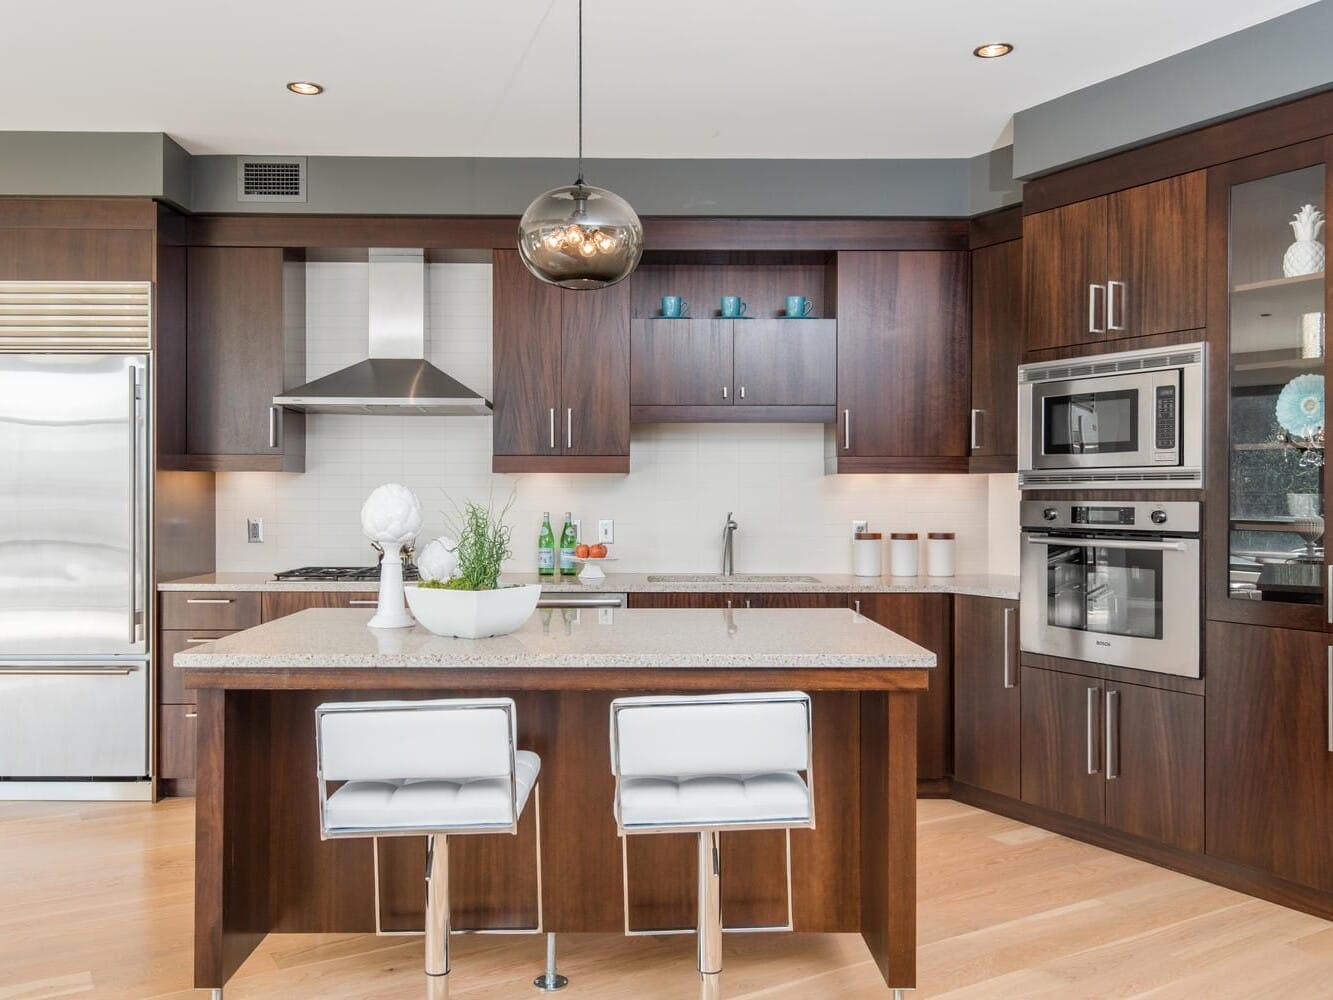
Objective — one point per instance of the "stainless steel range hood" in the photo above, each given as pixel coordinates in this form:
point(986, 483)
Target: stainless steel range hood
point(396, 378)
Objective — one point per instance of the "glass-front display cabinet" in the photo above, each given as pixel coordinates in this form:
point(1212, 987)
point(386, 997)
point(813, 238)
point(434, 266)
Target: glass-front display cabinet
point(1274, 360)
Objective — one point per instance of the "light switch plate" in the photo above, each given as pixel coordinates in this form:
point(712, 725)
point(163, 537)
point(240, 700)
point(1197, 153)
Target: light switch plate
point(606, 616)
point(859, 526)
point(254, 530)
point(578, 530)
point(606, 531)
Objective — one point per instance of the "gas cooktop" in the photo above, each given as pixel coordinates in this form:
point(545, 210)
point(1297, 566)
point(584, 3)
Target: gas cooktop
point(339, 574)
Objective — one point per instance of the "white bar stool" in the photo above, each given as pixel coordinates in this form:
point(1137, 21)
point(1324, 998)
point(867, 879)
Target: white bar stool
point(711, 764)
point(423, 768)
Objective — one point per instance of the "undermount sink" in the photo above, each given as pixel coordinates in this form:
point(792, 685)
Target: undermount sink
point(733, 578)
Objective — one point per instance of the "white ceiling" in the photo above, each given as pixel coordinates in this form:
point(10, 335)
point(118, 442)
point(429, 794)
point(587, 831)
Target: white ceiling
point(684, 78)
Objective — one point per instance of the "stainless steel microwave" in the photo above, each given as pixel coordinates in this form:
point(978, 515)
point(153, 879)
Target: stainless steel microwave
point(1133, 419)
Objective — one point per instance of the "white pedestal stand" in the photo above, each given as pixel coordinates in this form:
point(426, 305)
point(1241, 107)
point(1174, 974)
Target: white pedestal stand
point(391, 611)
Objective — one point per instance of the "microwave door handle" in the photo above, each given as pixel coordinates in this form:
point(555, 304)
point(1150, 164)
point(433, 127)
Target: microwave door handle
point(1107, 543)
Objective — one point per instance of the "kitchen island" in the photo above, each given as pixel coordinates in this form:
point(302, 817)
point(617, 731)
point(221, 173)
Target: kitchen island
point(261, 867)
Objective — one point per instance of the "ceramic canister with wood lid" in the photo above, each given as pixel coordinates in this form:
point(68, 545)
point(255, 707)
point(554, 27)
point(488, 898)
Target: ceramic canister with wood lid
point(903, 553)
point(939, 553)
point(868, 553)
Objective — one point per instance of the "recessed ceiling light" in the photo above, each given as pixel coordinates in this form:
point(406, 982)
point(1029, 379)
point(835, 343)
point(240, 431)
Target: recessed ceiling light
point(992, 50)
point(305, 88)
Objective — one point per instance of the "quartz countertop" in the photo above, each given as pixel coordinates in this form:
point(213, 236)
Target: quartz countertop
point(623, 639)
point(975, 584)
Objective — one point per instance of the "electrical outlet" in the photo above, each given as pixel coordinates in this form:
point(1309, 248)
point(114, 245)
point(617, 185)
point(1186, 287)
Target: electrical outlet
point(860, 526)
point(254, 529)
point(606, 531)
point(578, 530)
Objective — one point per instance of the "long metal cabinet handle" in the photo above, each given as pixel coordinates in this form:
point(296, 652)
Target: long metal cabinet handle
point(1112, 735)
point(210, 600)
point(1092, 308)
point(580, 602)
point(1330, 699)
point(1328, 594)
point(1094, 695)
point(976, 438)
point(274, 426)
point(46, 671)
point(195, 641)
point(1107, 543)
point(362, 604)
point(847, 430)
point(1111, 323)
point(553, 427)
point(134, 504)
point(569, 427)
point(1009, 681)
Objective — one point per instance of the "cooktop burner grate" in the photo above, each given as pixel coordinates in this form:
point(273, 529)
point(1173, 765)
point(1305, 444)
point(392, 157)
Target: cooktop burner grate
point(340, 574)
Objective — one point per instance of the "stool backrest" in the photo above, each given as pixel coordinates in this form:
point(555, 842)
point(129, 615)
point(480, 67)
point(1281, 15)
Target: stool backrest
point(664, 736)
point(392, 740)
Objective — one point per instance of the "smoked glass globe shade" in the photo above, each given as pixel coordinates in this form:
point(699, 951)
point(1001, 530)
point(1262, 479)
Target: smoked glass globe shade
point(580, 236)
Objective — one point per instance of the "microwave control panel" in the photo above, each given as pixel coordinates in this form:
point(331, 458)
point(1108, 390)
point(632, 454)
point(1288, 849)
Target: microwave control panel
point(1164, 412)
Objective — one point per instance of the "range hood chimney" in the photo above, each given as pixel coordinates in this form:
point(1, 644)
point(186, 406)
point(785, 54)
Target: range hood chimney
point(396, 378)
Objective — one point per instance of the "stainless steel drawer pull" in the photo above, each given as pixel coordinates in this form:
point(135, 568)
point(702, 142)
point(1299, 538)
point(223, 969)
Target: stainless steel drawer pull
point(742, 392)
point(569, 427)
point(1009, 681)
point(553, 427)
point(1094, 695)
point(1112, 735)
point(210, 600)
point(847, 430)
point(724, 392)
point(976, 437)
point(192, 715)
point(193, 641)
point(362, 604)
point(580, 602)
point(1092, 308)
point(274, 426)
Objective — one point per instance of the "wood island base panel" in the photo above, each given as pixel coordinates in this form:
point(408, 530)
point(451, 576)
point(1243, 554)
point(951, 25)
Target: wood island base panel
point(261, 866)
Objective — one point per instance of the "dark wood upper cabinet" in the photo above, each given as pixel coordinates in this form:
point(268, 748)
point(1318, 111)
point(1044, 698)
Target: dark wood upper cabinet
point(1154, 764)
point(779, 362)
point(1269, 761)
point(245, 320)
point(903, 376)
point(987, 710)
point(1129, 264)
point(927, 620)
point(1062, 743)
point(681, 362)
point(997, 348)
point(526, 362)
point(561, 374)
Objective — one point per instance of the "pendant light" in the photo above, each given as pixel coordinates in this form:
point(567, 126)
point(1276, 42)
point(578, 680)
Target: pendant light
point(580, 236)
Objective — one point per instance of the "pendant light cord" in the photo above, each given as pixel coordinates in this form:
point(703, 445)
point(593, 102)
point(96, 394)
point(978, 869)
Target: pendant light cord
point(579, 182)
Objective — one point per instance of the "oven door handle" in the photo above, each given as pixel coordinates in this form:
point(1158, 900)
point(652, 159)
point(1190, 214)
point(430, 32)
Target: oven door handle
point(1107, 543)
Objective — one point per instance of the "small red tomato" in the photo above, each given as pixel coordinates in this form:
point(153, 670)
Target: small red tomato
point(582, 551)
point(598, 551)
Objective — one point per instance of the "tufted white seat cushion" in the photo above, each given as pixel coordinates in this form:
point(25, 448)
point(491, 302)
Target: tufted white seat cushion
point(429, 803)
point(715, 800)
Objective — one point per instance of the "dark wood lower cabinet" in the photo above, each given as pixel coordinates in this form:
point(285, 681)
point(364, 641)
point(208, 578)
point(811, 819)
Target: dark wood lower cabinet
point(986, 710)
point(1123, 755)
point(176, 742)
point(1270, 767)
point(927, 620)
point(279, 604)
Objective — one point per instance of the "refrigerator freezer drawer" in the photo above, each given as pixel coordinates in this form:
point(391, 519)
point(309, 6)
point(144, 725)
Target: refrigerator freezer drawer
point(86, 720)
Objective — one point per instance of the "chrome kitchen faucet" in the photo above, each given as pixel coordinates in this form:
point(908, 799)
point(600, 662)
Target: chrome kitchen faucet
point(728, 544)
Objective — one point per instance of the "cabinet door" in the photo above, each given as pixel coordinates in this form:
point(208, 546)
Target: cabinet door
point(1154, 764)
point(798, 600)
point(927, 620)
point(903, 378)
point(1269, 765)
point(526, 365)
point(1062, 748)
point(177, 730)
point(1155, 262)
point(281, 603)
point(997, 345)
point(1064, 275)
point(987, 709)
point(686, 600)
point(785, 362)
point(594, 371)
point(235, 326)
point(681, 362)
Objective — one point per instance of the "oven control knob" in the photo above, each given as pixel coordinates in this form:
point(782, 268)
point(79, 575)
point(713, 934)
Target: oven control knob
point(1158, 517)
point(1050, 513)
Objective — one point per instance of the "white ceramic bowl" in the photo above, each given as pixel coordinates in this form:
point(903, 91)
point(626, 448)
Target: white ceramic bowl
point(473, 614)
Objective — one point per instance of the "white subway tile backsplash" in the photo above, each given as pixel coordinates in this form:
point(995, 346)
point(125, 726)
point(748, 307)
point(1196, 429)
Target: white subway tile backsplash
point(668, 510)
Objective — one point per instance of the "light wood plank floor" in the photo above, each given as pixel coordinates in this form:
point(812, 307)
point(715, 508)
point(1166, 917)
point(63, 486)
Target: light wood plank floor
point(95, 901)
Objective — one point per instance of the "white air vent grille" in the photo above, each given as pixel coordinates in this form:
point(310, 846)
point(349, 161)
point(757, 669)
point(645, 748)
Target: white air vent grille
point(1110, 480)
point(75, 315)
point(270, 178)
point(1051, 372)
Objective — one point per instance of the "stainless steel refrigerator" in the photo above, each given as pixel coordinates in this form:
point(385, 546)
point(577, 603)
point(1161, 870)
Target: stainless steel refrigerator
point(74, 502)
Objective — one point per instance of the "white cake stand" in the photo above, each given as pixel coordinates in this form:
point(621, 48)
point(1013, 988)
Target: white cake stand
point(592, 568)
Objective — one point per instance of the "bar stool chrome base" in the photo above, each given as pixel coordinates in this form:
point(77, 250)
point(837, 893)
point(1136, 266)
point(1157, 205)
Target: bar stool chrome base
point(550, 980)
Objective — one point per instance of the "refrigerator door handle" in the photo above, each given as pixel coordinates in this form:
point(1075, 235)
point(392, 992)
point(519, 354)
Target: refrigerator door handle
point(134, 504)
point(47, 670)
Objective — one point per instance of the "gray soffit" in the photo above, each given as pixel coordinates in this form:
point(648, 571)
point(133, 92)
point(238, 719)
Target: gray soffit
point(83, 163)
point(1265, 64)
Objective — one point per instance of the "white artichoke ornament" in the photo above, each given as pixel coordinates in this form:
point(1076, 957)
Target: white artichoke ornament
point(438, 561)
point(391, 515)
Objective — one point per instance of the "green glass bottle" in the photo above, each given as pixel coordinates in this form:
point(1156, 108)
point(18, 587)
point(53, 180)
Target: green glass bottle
point(568, 542)
point(546, 547)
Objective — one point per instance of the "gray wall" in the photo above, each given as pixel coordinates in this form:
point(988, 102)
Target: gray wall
point(1265, 64)
point(505, 186)
point(82, 163)
point(993, 183)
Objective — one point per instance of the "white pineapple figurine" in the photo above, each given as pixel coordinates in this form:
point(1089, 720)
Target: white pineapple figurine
point(1306, 255)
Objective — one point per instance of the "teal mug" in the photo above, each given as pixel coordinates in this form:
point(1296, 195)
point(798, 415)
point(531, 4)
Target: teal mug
point(798, 306)
point(674, 307)
point(733, 307)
